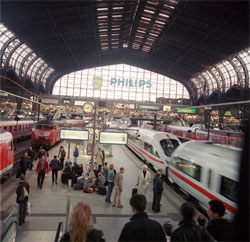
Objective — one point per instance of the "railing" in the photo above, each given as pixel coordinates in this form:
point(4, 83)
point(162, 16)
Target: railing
point(59, 232)
point(9, 226)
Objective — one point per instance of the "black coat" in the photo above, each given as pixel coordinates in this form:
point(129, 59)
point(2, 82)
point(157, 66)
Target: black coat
point(141, 228)
point(93, 235)
point(219, 228)
point(190, 231)
point(19, 190)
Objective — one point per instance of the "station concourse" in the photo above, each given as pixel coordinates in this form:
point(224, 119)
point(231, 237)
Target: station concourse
point(156, 73)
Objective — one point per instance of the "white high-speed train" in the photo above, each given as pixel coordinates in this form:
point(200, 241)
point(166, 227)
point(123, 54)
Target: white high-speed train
point(153, 147)
point(207, 171)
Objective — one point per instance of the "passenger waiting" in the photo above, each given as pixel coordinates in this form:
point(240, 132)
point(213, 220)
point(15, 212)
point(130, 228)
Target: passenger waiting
point(89, 178)
point(99, 184)
point(81, 226)
point(188, 230)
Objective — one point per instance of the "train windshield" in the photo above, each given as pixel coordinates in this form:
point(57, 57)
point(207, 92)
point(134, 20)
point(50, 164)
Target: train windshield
point(169, 146)
point(39, 126)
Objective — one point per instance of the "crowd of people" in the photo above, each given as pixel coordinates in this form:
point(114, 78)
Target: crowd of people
point(104, 179)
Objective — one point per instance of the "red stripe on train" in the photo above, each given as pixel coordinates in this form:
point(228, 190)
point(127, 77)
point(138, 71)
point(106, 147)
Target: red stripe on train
point(202, 190)
point(149, 156)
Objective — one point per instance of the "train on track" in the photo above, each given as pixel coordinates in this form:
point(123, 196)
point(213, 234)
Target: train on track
point(19, 129)
point(153, 147)
point(6, 154)
point(46, 132)
point(235, 139)
point(207, 171)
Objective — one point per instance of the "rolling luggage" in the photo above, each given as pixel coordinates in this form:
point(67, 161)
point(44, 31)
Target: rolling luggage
point(134, 191)
point(78, 186)
point(64, 178)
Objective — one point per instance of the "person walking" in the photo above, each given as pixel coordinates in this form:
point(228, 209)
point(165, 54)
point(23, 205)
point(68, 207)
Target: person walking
point(157, 190)
point(24, 163)
point(41, 169)
point(110, 179)
point(32, 155)
point(55, 166)
point(22, 198)
point(118, 184)
point(103, 157)
point(141, 228)
point(75, 154)
point(41, 152)
point(144, 179)
point(61, 156)
point(99, 158)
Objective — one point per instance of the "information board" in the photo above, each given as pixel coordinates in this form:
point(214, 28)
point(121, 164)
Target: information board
point(113, 138)
point(74, 134)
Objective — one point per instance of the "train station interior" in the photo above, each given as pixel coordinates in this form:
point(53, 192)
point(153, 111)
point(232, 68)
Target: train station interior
point(161, 83)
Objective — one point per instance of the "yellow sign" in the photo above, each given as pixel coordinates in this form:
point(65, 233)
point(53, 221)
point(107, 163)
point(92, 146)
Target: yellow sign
point(97, 82)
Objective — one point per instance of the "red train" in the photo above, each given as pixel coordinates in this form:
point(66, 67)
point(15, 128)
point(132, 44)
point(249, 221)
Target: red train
point(46, 132)
point(217, 136)
point(6, 154)
point(20, 130)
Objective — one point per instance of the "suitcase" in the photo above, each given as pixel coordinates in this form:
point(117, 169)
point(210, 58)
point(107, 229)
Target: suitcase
point(64, 178)
point(78, 186)
point(134, 191)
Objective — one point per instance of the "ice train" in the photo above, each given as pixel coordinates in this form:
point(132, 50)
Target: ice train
point(207, 171)
point(154, 147)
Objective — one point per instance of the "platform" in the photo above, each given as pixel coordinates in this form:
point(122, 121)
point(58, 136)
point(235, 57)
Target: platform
point(49, 204)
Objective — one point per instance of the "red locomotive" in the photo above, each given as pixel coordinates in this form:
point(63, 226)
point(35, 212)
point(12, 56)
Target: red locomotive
point(46, 132)
point(6, 154)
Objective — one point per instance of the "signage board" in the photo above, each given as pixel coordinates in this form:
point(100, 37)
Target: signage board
point(113, 138)
point(186, 110)
point(74, 134)
point(79, 103)
point(49, 101)
point(66, 101)
point(149, 108)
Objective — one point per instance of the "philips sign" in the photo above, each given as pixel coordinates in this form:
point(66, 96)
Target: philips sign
point(130, 82)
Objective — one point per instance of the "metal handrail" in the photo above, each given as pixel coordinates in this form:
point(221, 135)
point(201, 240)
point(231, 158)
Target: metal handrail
point(59, 231)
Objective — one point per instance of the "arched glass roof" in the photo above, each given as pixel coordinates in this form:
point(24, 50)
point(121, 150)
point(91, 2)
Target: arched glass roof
point(119, 82)
point(21, 58)
point(222, 76)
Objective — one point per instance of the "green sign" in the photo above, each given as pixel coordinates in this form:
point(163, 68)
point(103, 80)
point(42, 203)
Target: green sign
point(186, 110)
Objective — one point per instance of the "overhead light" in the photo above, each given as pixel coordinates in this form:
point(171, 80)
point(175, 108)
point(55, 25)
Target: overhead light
point(125, 45)
point(149, 11)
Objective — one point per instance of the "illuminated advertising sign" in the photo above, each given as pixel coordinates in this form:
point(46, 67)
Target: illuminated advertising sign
point(186, 110)
point(150, 108)
point(113, 138)
point(74, 134)
point(130, 82)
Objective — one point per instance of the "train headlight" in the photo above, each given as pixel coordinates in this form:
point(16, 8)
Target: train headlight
point(46, 137)
point(37, 137)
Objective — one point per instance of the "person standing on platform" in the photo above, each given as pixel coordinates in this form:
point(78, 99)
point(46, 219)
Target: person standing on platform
point(105, 170)
point(118, 184)
point(75, 154)
point(61, 156)
point(32, 155)
point(41, 169)
point(22, 198)
point(143, 180)
point(110, 179)
point(99, 158)
point(41, 152)
point(24, 163)
point(55, 166)
point(157, 189)
point(103, 157)
point(141, 228)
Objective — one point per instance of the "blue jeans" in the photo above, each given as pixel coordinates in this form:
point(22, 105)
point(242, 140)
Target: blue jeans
point(110, 189)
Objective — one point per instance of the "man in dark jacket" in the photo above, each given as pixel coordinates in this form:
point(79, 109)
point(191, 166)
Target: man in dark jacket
point(157, 189)
point(55, 166)
point(32, 155)
point(141, 228)
point(22, 198)
point(218, 226)
point(24, 163)
point(188, 230)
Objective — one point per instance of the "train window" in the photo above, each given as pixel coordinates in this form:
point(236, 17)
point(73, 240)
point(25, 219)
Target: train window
point(15, 128)
point(10, 145)
point(187, 167)
point(157, 154)
point(209, 178)
point(19, 127)
point(48, 127)
point(5, 127)
point(229, 188)
point(148, 147)
point(38, 126)
point(10, 129)
point(167, 146)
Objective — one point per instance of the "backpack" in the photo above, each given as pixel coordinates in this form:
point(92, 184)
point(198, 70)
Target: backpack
point(24, 194)
point(63, 154)
point(76, 153)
